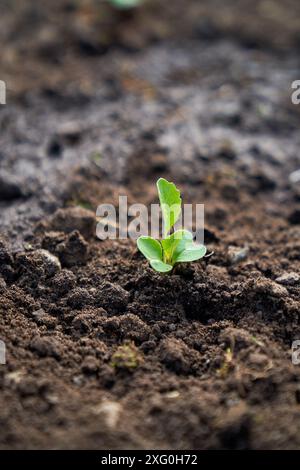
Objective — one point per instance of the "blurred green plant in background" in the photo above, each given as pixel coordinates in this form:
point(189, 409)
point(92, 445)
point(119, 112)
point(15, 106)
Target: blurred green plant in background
point(125, 3)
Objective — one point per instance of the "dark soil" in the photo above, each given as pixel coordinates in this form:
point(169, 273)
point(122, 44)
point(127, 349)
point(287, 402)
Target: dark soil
point(102, 352)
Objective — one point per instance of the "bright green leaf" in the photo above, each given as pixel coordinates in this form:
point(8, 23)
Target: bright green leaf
point(160, 266)
point(191, 253)
point(170, 202)
point(176, 243)
point(184, 243)
point(150, 248)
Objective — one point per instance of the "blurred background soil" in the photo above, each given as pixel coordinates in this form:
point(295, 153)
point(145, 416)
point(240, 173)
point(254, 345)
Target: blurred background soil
point(53, 43)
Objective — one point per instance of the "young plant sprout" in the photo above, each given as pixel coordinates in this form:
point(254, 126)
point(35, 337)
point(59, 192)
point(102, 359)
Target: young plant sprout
point(174, 248)
point(125, 3)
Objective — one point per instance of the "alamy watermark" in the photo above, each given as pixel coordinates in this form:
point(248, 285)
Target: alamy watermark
point(296, 94)
point(2, 353)
point(2, 92)
point(296, 352)
point(135, 220)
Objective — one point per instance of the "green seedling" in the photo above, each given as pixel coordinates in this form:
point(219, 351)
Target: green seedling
point(126, 357)
point(227, 364)
point(125, 3)
point(177, 247)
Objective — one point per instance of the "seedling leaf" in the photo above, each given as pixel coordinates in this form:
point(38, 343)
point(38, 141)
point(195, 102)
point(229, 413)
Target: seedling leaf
point(170, 202)
point(175, 243)
point(150, 248)
point(160, 266)
point(191, 253)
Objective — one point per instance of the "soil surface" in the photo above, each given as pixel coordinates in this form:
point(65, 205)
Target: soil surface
point(102, 352)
